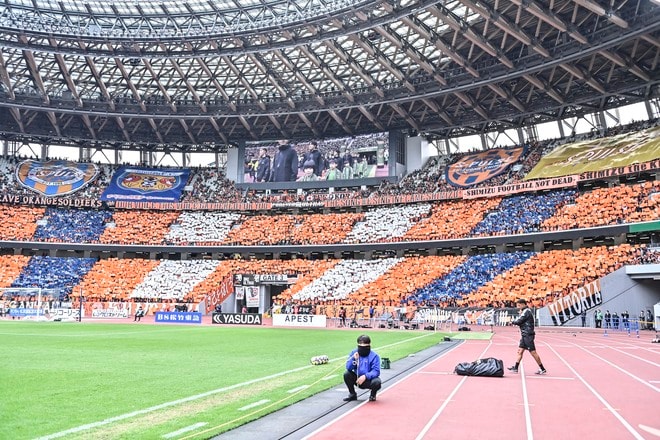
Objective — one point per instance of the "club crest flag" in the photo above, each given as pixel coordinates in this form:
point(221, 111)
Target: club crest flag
point(476, 168)
point(146, 185)
point(55, 177)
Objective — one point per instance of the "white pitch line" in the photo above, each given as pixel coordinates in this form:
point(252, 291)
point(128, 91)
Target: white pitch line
point(151, 409)
point(184, 430)
point(167, 405)
point(254, 404)
point(295, 390)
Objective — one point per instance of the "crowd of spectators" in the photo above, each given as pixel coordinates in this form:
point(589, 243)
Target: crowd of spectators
point(19, 223)
point(387, 224)
point(548, 275)
point(344, 278)
point(53, 273)
point(453, 219)
point(114, 279)
point(201, 227)
point(71, 225)
point(490, 280)
point(10, 268)
point(494, 280)
point(525, 213)
point(212, 185)
point(138, 227)
point(172, 280)
point(475, 272)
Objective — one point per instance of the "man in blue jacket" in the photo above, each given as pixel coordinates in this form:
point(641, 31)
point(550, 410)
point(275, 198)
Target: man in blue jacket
point(362, 369)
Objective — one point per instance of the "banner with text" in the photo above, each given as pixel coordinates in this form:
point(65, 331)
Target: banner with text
point(236, 318)
point(571, 305)
point(514, 188)
point(599, 154)
point(179, 317)
point(281, 319)
point(112, 310)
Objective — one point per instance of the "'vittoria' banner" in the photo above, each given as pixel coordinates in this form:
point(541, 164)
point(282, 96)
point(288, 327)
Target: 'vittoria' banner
point(146, 184)
point(476, 168)
point(55, 177)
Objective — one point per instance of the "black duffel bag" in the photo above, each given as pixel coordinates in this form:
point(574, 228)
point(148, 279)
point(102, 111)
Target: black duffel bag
point(489, 367)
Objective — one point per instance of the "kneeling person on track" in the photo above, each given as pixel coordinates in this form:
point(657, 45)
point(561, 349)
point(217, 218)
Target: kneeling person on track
point(362, 369)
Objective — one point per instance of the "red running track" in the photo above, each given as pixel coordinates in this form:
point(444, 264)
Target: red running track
point(605, 387)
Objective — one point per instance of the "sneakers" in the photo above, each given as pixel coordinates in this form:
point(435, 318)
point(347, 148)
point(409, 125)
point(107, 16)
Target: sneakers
point(372, 398)
point(541, 371)
point(350, 398)
point(513, 369)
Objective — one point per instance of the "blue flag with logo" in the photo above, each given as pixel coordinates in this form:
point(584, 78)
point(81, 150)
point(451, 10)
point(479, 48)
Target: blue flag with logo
point(141, 184)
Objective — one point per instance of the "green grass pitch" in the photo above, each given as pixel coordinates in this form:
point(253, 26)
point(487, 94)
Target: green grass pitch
point(133, 381)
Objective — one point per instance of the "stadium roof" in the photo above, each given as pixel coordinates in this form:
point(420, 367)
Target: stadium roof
point(201, 75)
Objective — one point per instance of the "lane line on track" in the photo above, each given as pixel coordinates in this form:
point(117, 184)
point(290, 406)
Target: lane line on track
point(620, 341)
point(435, 416)
point(650, 430)
point(550, 377)
point(609, 407)
point(638, 379)
point(636, 357)
point(528, 416)
point(335, 420)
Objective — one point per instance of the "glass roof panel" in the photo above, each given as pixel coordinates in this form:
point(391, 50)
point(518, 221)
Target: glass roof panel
point(198, 6)
point(192, 17)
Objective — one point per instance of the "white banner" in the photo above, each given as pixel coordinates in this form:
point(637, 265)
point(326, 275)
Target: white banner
point(110, 313)
point(299, 320)
point(252, 296)
point(65, 313)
